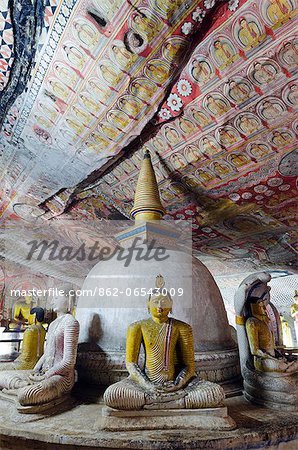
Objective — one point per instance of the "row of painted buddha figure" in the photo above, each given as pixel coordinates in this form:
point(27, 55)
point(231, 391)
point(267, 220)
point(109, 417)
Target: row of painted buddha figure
point(168, 379)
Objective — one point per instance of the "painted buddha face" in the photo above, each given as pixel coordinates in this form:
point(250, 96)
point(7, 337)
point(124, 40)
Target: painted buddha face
point(160, 306)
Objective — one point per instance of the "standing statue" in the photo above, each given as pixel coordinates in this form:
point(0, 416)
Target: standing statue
point(294, 314)
point(54, 375)
point(286, 332)
point(32, 346)
point(270, 374)
point(168, 380)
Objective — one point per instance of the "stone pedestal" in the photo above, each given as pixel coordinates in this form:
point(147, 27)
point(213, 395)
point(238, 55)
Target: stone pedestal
point(166, 419)
point(80, 428)
point(272, 390)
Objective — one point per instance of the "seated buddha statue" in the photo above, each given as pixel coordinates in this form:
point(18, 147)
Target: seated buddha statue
point(32, 346)
point(54, 374)
point(269, 372)
point(21, 312)
point(168, 380)
point(266, 356)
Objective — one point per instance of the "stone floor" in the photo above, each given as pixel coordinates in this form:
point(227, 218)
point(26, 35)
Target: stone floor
point(76, 426)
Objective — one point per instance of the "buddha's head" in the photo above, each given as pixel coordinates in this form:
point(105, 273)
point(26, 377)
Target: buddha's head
point(159, 305)
point(122, 102)
point(60, 303)
point(28, 299)
point(258, 309)
point(78, 27)
point(243, 22)
point(136, 18)
point(160, 302)
point(259, 297)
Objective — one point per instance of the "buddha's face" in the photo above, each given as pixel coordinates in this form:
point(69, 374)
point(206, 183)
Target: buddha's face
point(60, 303)
point(160, 306)
point(259, 309)
point(137, 19)
point(28, 299)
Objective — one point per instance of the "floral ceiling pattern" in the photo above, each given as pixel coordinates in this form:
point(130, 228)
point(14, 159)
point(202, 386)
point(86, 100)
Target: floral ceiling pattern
point(209, 87)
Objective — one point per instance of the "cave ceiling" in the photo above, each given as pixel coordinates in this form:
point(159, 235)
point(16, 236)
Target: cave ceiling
point(209, 87)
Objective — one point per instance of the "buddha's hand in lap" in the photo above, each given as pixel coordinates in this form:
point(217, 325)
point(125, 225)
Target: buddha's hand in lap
point(163, 396)
point(20, 384)
point(169, 386)
point(36, 377)
point(264, 355)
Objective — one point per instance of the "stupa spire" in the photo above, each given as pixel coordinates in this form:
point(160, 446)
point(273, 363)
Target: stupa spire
point(147, 204)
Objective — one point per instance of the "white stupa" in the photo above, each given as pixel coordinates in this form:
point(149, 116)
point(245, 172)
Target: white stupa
point(123, 290)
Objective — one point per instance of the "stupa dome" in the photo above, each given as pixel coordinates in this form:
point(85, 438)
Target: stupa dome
point(122, 284)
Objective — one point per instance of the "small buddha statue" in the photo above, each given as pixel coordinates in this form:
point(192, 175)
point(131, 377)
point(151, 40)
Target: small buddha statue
point(21, 312)
point(286, 332)
point(54, 374)
point(267, 358)
point(168, 380)
point(32, 346)
point(294, 314)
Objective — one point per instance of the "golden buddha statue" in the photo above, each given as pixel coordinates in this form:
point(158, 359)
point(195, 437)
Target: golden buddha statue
point(21, 312)
point(266, 357)
point(32, 346)
point(168, 380)
point(269, 372)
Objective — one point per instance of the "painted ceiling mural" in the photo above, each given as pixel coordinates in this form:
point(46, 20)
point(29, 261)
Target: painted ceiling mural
point(209, 87)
